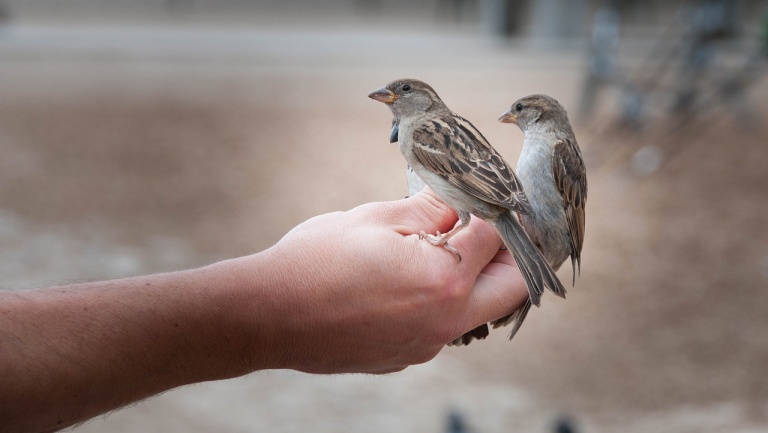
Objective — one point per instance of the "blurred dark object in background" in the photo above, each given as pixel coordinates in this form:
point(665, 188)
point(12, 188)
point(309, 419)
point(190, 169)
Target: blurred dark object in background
point(456, 423)
point(564, 425)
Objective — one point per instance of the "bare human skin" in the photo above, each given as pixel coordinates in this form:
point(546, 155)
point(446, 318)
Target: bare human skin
point(345, 292)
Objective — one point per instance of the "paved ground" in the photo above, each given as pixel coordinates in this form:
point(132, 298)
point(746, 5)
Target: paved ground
point(135, 150)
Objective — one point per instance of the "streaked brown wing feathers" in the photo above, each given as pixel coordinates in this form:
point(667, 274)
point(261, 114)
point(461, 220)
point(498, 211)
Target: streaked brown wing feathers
point(454, 149)
point(571, 179)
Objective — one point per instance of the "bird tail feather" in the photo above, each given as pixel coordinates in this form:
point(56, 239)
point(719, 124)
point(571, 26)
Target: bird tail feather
point(478, 333)
point(517, 318)
point(535, 269)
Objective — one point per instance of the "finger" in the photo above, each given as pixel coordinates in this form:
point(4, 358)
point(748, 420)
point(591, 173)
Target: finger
point(499, 290)
point(425, 212)
point(421, 212)
point(477, 243)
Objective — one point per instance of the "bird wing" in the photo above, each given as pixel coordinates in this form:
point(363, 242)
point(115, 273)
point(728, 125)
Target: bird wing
point(394, 132)
point(571, 179)
point(455, 150)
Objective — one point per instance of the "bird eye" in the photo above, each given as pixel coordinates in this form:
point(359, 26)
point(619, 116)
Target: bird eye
point(406, 88)
point(519, 107)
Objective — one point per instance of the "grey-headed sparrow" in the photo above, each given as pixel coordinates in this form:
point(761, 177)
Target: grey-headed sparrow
point(451, 156)
point(555, 181)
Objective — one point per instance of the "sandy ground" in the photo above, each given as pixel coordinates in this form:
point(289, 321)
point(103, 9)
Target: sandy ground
point(131, 151)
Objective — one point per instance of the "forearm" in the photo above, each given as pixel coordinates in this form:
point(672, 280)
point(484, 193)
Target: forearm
point(69, 353)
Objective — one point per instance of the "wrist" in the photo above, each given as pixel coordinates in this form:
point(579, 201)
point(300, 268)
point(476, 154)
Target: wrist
point(244, 296)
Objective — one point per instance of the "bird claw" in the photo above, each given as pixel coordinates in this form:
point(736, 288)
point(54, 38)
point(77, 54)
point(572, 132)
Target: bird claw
point(436, 239)
point(440, 240)
point(454, 251)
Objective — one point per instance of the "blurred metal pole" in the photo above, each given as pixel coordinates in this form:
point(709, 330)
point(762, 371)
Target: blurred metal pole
point(504, 17)
point(543, 20)
point(557, 20)
point(603, 65)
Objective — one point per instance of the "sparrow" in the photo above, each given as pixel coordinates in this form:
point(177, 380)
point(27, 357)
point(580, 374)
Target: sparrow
point(554, 177)
point(454, 159)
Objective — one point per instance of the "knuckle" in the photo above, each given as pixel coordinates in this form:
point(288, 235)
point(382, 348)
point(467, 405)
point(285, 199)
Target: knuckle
point(452, 290)
point(379, 212)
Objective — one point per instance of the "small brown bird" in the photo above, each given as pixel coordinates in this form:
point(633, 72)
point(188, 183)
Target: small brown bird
point(555, 181)
point(451, 156)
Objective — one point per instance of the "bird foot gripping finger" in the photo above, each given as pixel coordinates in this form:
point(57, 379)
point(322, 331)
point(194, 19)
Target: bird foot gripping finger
point(436, 239)
point(440, 240)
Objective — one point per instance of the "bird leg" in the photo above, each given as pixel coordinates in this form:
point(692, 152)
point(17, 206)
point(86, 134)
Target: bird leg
point(442, 239)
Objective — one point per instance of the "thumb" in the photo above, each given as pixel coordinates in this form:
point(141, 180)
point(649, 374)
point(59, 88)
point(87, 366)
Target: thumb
point(423, 212)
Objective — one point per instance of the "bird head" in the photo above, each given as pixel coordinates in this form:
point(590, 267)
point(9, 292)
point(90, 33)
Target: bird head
point(408, 98)
point(529, 111)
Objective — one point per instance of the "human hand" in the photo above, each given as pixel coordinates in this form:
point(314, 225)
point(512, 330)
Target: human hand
point(358, 291)
point(345, 292)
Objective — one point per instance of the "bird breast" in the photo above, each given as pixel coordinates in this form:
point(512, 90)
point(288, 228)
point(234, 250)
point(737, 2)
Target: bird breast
point(547, 225)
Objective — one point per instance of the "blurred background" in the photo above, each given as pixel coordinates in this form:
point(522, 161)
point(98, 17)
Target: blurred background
point(153, 135)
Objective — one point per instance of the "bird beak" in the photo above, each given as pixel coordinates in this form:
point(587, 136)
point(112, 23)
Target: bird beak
point(508, 117)
point(383, 95)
